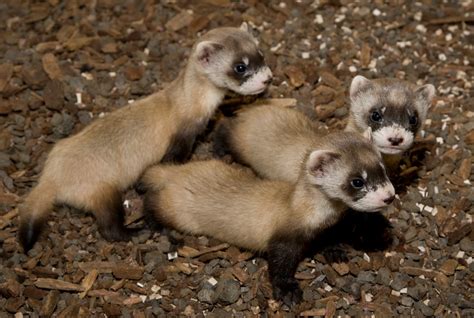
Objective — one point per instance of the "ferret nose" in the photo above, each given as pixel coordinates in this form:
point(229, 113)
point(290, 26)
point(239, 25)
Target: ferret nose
point(395, 141)
point(268, 81)
point(389, 199)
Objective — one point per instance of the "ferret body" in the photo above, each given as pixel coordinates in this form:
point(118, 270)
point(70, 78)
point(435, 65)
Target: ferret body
point(271, 139)
point(276, 217)
point(90, 170)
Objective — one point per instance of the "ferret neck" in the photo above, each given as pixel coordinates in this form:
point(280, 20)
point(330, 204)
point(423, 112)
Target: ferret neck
point(194, 94)
point(314, 207)
point(351, 125)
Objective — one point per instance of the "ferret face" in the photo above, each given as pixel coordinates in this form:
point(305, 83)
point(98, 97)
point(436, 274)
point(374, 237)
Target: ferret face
point(353, 173)
point(394, 110)
point(230, 58)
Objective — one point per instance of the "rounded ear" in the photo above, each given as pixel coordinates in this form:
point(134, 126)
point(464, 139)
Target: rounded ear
point(359, 82)
point(244, 27)
point(426, 93)
point(368, 134)
point(206, 52)
point(318, 164)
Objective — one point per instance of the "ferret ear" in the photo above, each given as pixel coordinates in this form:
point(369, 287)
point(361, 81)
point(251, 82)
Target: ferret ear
point(368, 134)
point(426, 93)
point(359, 82)
point(424, 97)
point(206, 51)
point(318, 164)
point(244, 27)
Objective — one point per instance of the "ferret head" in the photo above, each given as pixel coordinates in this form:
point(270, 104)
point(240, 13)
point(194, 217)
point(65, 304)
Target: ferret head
point(230, 59)
point(394, 109)
point(351, 170)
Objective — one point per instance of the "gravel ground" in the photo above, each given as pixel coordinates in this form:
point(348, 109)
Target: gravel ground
point(62, 65)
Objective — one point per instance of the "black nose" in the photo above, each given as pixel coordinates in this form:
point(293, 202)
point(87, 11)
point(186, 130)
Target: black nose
point(389, 199)
point(395, 141)
point(268, 81)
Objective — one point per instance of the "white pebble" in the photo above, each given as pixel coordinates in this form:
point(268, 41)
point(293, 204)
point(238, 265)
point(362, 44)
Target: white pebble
point(418, 16)
point(369, 297)
point(395, 293)
point(146, 51)
point(130, 101)
point(367, 257)
point(448, 37)
point(421, 28)
point(87, 76)
point(172, 255)
point(404, 290)
point(422, 249)
point(352, 69)
point(155, 288)
point(426, 302)
point(339, 18)
point(305, 55)
point(327, 288)
point(212, 281)
point(143, 298)
point(79, 98)
point(319, 19)
point(460, 254)
point(376, 12)
point(112, 74)
point(469, 260)
point(440, 140)
point(275, 48)
point(442, 57)
point(282, 5)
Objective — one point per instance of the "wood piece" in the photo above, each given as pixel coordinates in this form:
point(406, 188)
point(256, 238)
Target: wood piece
point(216, 248)
point(51, 66)
point(88, 281)
point(49, 283)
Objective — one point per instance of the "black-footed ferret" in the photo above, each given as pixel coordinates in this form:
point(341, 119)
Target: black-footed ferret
point(231, 204)
point(90, 170)
point(272, 140)
point(394, 109)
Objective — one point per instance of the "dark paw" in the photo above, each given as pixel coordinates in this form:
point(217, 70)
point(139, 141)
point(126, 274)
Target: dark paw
point(289, 293)
point(378, 240)
point(335, 255)
point(119, 234)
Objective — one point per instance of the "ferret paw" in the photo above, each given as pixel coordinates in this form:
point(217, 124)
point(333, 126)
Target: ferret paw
point(119, 234)
point(335, 255)
point(289, 293)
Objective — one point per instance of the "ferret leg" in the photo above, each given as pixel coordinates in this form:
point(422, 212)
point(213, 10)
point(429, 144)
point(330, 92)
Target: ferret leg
point(108, 210)
point(283, 257)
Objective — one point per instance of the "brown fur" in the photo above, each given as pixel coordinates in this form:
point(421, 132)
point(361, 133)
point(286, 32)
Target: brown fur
point(230, 203)
point(91, 169)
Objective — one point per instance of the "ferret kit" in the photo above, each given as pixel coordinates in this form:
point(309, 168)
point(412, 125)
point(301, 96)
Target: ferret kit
point(91, 169)
point(275, 217)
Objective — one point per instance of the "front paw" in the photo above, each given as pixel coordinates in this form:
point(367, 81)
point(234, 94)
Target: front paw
point(335, 255)
point(289, 293)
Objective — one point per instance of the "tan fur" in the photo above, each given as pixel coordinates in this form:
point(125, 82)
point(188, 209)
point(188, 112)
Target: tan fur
point(108, 156)
point(231, 204)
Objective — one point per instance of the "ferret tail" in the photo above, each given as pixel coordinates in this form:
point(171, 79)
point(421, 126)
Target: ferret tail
point(34, 212)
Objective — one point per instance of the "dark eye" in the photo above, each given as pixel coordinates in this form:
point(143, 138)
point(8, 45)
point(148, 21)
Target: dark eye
point(413, 120)
point(357, 183)
point(240, 68)
point(376, 117)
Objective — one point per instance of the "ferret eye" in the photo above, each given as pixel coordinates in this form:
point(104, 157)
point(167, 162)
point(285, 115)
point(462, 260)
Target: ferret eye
point(376, 117)
point(357, 183)
point(240, 68)
point(413, 120)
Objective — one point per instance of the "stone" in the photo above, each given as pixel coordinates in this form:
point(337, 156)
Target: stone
point(228, 291)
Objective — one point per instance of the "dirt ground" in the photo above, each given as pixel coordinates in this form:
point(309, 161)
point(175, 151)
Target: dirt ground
point(64, 63)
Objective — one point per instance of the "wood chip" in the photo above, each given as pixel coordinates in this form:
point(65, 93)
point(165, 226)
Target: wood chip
point(6, 72)
point(365, 55)
point(240, 274)
point(5, 219)
point(49, 303)
point(128, 272)
point(51, 66)
point(296, 75)
point(101, 267)
point(179, 21)
point(187, 251)
point(330, 80)
point(330, 309)
point(88, 281)
point(133, 300)
point(216, 248)
point(464, 171)
point(313, 312)
point(49, 283)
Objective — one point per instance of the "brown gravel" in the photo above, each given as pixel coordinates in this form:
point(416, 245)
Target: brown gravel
point(64, 63)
